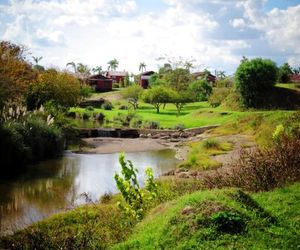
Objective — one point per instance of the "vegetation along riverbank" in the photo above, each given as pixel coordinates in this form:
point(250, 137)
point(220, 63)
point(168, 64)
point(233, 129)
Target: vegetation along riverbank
point(237, 138)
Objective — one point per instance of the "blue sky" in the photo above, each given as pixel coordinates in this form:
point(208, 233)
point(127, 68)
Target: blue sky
point(215, 34)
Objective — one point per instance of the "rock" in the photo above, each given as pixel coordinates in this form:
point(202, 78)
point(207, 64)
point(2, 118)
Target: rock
point(181, 170)
point(166, 137)
point(149, 135)
point(175, 135)
point(143, 136)
point(175, 140)
point(170, 173)
point(187, 210)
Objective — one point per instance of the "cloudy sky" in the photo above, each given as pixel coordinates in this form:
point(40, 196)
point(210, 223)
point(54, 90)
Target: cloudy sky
point(216, 33)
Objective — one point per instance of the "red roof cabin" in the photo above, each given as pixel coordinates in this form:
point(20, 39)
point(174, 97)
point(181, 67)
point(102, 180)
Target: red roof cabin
point(117, 76)
point(100, 83)
point(144, 78)
point(210, 78)
point(295, 78)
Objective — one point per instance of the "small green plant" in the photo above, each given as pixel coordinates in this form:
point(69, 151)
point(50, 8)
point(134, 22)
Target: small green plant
point(89, 108)
point(135, 198)
point(107, 106)
point(211, 143)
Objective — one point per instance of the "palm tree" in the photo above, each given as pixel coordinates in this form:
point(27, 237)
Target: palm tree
point(98, 70)
point(113, 64)
point(221, 74)
point(73, 65)
point(142, 67)
point(37, 59)
point(188, 65)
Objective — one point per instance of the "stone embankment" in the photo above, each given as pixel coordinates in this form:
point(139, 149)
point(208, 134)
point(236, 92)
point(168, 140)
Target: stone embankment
point(163, 134)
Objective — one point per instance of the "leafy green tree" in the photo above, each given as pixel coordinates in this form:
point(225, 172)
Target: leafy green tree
point(157, 96)
point(113, 64)
point(284, 73)
point(61, 88)
point(180, 99)
point(201, 90)
point(132, 94)
point(254, 78)
point(156, 80)
point(178, 79)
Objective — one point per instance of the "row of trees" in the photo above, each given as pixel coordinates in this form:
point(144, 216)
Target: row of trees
point(170, 85)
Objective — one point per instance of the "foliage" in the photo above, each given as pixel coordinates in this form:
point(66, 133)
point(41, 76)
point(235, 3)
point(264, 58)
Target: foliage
point(132, 94)
point(254, 78)
point(59, 87)
point(228, 222)
point(284, 73)
point(107, 105)
point(201, 89)
point(86, 90)
point(263, 169)
point(151, 125)
point(218, 96)
point(178, 79)
point(113, 64)
point(156, 80)
point(135, 199)
point(157, 96)
point(180, 99)
point(16, 73)
point(27, 138)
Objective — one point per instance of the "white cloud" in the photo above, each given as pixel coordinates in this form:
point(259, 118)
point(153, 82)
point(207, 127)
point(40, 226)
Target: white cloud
point(216, 33)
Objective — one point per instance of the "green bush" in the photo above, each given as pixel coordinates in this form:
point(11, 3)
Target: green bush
point(228, 222)
point(151, 125)
point(201, 89)
point(218, 96)
point(107, 105)
point(254, 79)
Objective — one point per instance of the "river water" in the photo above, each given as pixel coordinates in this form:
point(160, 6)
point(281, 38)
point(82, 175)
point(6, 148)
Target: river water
point(58, 185)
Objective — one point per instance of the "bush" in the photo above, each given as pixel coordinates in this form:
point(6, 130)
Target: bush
point(62, 89)
point(254, 79)
point(107, 105)
point(89, 108)
point(262, 169)
point(284, 73)
point(179, 126)
point(218, 96)
point(86, 91)
point(115, 85)
point(211, 143)
point(151, 125)
point(201, 89)
point(123, 107)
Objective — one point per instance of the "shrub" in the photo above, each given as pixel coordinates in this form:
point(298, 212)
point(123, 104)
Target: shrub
point(135, 199)
point(151, 125)
point(284, 73)
point(132, 94)
point(211, 143)
point(86, 91)
point(218, 96)
point(262, 169)
point(100, 117)
point(115, 85)
point(123, 107)
point(107, 105)
point(89, 108)
point(85, 116)
point(179, 126)
point(254, 78)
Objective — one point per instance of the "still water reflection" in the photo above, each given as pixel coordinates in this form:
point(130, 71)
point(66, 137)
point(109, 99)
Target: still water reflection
point(57, 185)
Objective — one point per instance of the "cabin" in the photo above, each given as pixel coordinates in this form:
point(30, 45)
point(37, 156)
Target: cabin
point(210, 78)
point(144, 79)
point(295, 78)
point(117, 76)
point(100, 83)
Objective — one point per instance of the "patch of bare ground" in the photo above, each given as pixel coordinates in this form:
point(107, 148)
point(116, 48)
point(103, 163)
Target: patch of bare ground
point(239, 142)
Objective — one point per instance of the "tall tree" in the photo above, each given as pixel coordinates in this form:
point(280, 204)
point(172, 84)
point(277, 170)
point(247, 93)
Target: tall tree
point(113, 64)
point(98, 70)
point(142, 67)
point(73, 65)
point(37, 59)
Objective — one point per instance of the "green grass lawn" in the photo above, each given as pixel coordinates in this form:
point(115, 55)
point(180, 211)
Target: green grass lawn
point(294, 86)
point(192, 115)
